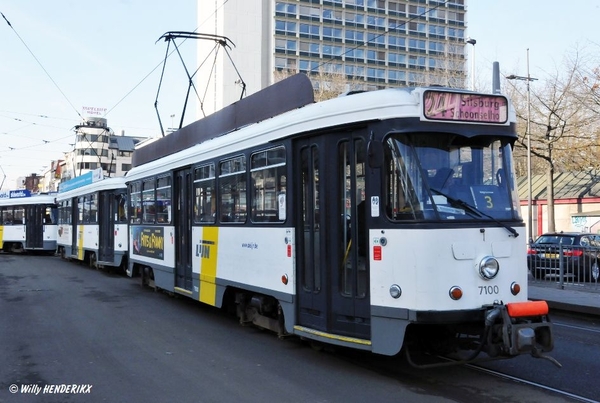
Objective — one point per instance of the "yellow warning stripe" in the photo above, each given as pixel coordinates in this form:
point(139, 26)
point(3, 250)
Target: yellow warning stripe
point(80, 242)
point(208, 266)
point(346, 339)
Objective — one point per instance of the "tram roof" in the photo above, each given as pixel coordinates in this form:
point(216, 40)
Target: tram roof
point(337, 112)
point(104, 184)
point(35, 198)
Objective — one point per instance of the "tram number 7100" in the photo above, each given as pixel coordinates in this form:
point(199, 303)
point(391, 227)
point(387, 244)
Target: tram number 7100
point(488, 289)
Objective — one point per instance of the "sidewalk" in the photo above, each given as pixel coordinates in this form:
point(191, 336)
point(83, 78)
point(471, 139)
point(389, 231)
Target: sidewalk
point(567, 299)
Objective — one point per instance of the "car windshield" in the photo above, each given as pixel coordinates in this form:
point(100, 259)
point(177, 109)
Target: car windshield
point(556, 240)
point(444, 176)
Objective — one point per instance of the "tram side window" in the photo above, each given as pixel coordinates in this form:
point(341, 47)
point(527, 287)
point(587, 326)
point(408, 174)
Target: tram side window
point(402, 183)
point(135, 212)
point(149, 202)
point(204, 198)
point(50, 215)
point(268, 185)
point(64, 212)
point(163, 200)
point(19, 215)
point(121, 208)
point(80, 208)
point(232, 190)
point(91, 208)
point(7, 216)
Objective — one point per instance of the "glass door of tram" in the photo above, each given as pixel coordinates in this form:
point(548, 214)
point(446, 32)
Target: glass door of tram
point(183, 196)
point(106, 224)
point(332, 258)
point(34, 226)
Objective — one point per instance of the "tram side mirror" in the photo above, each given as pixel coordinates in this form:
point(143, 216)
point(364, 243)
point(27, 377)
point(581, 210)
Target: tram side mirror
point(375, 153)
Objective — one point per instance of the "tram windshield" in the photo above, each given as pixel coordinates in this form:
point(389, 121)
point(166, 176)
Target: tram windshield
point(444, 176)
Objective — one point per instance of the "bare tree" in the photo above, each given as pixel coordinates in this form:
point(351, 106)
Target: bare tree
point(563, 128)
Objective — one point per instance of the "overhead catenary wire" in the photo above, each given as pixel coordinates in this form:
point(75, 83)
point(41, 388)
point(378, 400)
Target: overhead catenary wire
point(42, 66)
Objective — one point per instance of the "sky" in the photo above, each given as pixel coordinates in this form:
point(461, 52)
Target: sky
point(59, 58)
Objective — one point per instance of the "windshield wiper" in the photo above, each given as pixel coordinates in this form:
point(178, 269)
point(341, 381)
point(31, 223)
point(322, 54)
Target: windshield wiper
point(474, 211)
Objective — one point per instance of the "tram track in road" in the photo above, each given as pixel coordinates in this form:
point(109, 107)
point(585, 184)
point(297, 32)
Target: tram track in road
point(504, 376)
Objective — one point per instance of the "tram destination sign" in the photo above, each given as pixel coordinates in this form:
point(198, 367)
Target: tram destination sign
point(462, 107)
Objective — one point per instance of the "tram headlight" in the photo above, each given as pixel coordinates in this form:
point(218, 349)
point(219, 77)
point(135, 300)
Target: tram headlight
point(488, 268)
point(395, 291)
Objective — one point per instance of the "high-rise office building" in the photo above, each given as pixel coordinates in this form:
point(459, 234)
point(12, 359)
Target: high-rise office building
point(379, 43)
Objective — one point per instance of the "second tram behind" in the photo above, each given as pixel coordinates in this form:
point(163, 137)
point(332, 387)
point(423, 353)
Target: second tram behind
point(92, 225)
point(379, 221)
point(27, 221)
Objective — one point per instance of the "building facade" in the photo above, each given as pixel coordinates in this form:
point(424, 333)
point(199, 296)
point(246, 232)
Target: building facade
point(377, 43)
point(96, 146)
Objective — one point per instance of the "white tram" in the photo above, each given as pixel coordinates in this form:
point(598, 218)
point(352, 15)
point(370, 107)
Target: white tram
point(27, 221)
point(379, 220)
point(92, 225)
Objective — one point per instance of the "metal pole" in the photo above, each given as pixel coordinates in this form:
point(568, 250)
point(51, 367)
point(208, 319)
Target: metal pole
point(472, 41)
point(529, 207)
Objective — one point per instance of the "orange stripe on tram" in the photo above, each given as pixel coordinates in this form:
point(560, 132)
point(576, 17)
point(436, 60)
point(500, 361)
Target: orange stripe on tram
point(528, 308)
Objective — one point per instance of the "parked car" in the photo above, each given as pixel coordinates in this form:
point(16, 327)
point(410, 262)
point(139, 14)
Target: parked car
point(580, 256)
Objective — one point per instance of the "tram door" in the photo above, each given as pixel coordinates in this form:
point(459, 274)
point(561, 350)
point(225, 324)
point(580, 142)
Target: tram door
point(332, 262)
point(76, 219)
point(34, 226)
point(106, 222)
point(183, 196)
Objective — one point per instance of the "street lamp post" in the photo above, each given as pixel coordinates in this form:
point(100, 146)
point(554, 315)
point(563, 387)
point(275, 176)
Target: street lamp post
point(472, 41)
point(528, 79)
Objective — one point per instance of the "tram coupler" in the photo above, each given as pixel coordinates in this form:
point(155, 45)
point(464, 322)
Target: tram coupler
point(518, 328)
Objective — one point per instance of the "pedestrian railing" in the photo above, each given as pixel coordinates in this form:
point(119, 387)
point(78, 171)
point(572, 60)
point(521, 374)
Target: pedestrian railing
point(565, 265)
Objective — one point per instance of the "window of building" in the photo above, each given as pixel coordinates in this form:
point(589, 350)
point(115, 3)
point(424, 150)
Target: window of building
point(376, 38)
point(396, 41)
point(357, 54)
point(375, 73)
point(376, 21)
point(311, 30)
point(286, 45)
point(437, 13)
point(437, 46)
point(285, 8)
point(417, 27)
point(396, 6)
point(416, 44)
point(354, 18)
point(285, 27)
point(330, 15)
point(332, 50)
point(352, 35)
point(438, 30)
point(332, 33)
point(269, 185)
point(204, 194)
point(232, 190)
point(456, 33)
point(418, 61)
point(398, 58)
point(453, 16)
point(395, 75)
point(416, 10)
point(310, 12)
point(375, 55)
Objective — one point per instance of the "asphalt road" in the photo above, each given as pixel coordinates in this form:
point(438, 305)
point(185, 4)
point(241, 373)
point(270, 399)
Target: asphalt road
point(113, 341)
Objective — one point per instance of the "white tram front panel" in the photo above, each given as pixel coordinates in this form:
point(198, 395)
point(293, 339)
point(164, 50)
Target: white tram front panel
point(426, 264)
